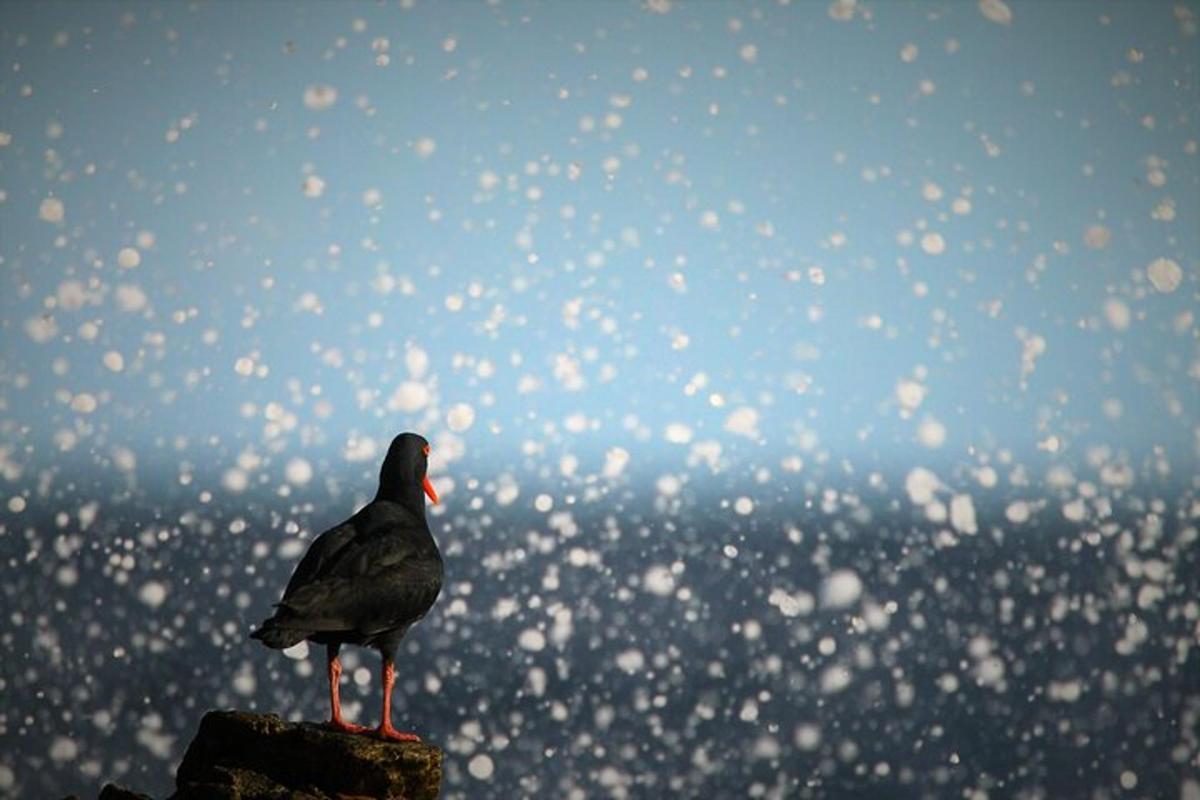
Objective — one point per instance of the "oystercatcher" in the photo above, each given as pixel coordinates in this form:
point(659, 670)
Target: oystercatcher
point(367, 580)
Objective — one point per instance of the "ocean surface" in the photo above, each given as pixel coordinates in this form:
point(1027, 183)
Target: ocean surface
point(635, 641)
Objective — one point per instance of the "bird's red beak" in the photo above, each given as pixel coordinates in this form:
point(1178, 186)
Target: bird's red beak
point(429, 490)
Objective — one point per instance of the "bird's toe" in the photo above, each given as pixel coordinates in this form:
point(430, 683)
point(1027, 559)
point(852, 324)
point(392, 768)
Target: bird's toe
point(392, 735)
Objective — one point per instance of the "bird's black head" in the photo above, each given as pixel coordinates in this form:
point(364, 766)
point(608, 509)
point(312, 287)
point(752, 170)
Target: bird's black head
point(403, 475)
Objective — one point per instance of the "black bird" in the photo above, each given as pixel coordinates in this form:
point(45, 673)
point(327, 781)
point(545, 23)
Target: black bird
point(367, 580)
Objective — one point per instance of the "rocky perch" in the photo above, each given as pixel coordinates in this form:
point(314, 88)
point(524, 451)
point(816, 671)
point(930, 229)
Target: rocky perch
point(240, 756)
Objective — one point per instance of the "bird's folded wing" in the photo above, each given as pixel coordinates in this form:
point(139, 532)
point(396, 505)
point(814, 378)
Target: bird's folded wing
point(322, 554)
point(384, 584)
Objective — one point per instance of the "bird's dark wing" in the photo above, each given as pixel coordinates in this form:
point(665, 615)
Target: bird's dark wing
point(375, 586)
point(322, 554)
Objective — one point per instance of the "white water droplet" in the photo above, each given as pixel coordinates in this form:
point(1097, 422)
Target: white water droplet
point(320, 97)
point(298, 471)
point(532, 639)
point(52, 210)
point(153, 593)
point(842, 588)
point(481, 767)
point(1164, 274)
point(460, 417)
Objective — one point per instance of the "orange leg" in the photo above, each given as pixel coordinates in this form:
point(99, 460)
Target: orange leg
point(335, 673)
point(385, 729)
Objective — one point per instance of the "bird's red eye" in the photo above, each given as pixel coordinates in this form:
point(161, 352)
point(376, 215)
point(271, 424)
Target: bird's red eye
point(426, 449)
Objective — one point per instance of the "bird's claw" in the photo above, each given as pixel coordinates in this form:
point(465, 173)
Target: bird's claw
point(391, 734)
point(345, 727)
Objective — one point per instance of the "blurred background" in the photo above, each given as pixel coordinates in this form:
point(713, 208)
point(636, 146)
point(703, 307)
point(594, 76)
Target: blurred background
point(813, 387)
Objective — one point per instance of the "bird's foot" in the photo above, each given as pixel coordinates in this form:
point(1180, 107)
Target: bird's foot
point(345, 727)
point(391, 734)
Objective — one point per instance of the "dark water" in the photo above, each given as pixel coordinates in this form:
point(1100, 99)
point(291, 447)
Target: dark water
point(828, 645)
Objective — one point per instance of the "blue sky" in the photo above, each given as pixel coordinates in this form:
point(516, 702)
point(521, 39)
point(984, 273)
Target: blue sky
point(572, 210)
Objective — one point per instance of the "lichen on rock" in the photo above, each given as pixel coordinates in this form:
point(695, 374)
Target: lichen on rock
point(242, 756)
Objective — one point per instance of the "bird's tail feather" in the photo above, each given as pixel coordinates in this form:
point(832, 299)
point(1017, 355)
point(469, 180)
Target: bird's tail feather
point(274, 635)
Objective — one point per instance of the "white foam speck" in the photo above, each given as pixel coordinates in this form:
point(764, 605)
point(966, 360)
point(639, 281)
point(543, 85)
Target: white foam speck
point(425, 147)
point(153, 593)
point(359, 448)
point(320, 97)
point(1075, 511)
point(244, 683)
point(678, 433)
point(708, 452)
point(488, 180)
point(842, 10)
point(933, 244)
point(130, 298)
point(84, 403)
point(460, 417)
point(1117, 314)
point(298, 651)
point(41, 329)
point(997, 11)
point(792, 605)
point(989, 671)
point(1017, 512)
point(52, 210)
point(409, 396)
point(835, 678)
point(532, 639)
point(931, 433)
point(962, 514)
point(614, 461)
point(631, 660)
point(807, 736)
point(313, 186)
point(481, 767)
point(659, 580)
point(416, 361)
point(1065, 691)
point(1165, 274)
point(842, 588)
point(507, 492)
point(235, 479)
point(743, 422)
point(543, 502)
point(63, 749)
point(129, 258)
point(1097, 237)
point(910, 394)
point(743, 505)
point(298, 471)
point(505, 607)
